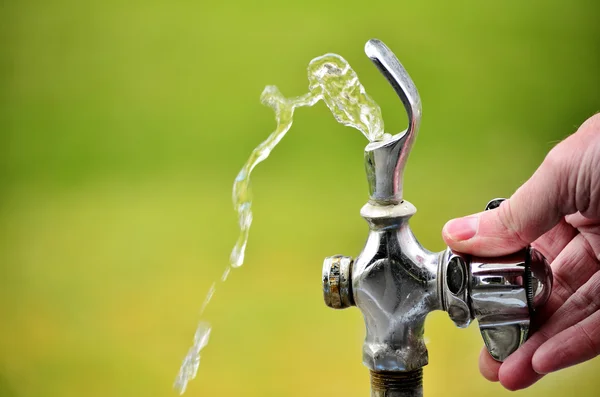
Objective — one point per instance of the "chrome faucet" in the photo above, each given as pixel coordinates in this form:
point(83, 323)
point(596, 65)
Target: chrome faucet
point(395, 282)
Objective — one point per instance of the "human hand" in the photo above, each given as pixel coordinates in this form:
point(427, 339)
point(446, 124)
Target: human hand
point(558, 212)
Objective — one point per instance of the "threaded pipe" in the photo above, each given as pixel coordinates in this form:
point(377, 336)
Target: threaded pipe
point(397, 383)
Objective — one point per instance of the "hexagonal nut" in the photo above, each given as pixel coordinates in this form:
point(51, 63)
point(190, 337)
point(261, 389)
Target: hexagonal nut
point(337, 281)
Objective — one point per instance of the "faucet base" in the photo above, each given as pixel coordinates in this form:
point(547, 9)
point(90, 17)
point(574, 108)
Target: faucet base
point(397, 383)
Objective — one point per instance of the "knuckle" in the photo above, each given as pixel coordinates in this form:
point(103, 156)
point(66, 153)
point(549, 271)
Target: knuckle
point(540, 336)
point(582, 302)
point(592, 250)
point(559, 161)
point(561, 287)
point(510, 222)
point(592, 177)
point(585, 299)
point(561, 165)
point(574, 163)
point(588, 179)
point(592, 124)
point(586, 338)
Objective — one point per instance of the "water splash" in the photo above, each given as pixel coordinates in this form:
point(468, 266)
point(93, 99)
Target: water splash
point(332, 80)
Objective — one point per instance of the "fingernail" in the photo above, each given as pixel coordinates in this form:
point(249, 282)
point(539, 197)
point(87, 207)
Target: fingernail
point(462, 228)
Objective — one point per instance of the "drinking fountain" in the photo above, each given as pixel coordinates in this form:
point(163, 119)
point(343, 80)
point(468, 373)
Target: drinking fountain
point(395, 282)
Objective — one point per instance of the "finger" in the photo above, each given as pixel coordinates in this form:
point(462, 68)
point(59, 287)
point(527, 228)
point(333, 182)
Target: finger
point(578, 220)
point(534, 209)
point(580, 310)
point(589, 228)
point(516, 371)
point(560, 186)
point(488, 366)
point(554, 241)
point(576, 344)
point(572, 268)
point(582, 304)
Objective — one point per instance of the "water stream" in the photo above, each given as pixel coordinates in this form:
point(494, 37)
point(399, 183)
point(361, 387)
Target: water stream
point(332, 80)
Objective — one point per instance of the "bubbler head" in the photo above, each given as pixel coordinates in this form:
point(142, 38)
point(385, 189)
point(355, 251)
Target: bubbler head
point(385, 160)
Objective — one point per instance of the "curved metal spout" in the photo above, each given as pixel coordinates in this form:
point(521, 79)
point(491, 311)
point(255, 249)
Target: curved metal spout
point(385, 161)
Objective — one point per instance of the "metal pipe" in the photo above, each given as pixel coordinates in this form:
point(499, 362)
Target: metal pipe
point(397, 383)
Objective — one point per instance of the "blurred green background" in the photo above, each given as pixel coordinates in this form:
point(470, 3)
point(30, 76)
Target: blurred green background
point(123, 124)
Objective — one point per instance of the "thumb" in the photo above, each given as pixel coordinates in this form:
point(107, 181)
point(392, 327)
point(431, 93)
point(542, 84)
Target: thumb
point(532, 210)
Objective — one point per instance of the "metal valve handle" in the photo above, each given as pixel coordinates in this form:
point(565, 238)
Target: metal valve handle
point(501, 293)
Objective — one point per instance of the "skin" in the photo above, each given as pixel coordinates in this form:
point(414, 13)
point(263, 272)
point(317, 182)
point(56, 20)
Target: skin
point(558, 212)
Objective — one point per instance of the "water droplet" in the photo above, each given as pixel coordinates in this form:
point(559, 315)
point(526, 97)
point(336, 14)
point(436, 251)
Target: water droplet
point(208, 298)
point(191, 362)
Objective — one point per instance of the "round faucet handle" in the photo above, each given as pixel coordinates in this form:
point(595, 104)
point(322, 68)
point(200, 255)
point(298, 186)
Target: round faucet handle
point(540, 273)
point(501, 293)
point(504, 294)
point(337, 281)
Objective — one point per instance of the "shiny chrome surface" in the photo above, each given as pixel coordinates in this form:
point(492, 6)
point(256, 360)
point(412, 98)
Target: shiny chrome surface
point(499, 300)
point(454, 287)
point(505, 293)
point(541, 279)
point(385, 161)
point(501, 293)
point(395, 282)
